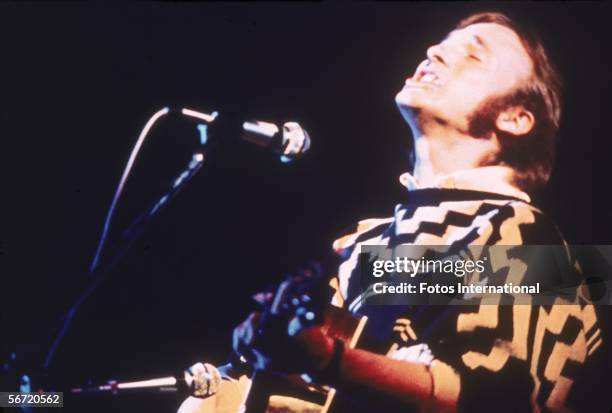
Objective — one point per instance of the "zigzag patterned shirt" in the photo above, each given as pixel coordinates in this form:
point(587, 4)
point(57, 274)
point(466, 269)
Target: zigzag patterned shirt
point(503, 358)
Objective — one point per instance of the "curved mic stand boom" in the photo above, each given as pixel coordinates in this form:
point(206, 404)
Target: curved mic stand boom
point(99, 272)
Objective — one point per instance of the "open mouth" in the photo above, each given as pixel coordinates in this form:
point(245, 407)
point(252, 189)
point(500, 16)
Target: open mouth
point(425, 75)
point(430, 77)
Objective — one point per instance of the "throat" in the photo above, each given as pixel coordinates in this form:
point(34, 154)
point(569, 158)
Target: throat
point(440, 156)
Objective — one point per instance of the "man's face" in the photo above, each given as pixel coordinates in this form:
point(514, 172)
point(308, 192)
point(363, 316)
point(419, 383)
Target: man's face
point(471, 65)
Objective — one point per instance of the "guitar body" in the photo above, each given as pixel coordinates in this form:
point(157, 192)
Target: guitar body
point(273, 393)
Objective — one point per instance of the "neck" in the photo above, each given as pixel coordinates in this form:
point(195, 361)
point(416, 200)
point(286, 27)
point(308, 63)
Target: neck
point(440, 151)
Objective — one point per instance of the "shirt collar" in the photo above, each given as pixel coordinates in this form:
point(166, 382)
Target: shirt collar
point(496, 179)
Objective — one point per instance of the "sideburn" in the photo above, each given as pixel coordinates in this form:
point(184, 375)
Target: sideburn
point(528, 155)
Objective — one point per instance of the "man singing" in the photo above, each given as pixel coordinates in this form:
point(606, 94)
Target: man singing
point(483, 108)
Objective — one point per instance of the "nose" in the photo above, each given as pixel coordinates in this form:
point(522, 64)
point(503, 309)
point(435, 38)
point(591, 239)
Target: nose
point(435, 54)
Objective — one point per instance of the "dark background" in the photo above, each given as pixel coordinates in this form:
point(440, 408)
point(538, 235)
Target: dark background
point(80, 80)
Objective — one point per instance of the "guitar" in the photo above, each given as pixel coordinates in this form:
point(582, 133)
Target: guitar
point(301, 300)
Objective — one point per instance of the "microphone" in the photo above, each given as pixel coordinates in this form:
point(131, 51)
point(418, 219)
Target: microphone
point(291, 144)
point(200, 380)
point(290, 141)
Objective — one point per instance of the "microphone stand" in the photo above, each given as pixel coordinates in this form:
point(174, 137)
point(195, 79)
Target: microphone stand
point(168, 384)
point(129, 236)
point(99, 271)
point(200, 380)
point(295, 144)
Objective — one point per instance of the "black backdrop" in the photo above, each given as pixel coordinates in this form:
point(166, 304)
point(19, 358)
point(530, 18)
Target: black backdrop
point(80, 80)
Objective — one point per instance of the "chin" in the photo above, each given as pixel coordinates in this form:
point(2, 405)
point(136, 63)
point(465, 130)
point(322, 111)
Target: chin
point(408, 98)
point(406, 102)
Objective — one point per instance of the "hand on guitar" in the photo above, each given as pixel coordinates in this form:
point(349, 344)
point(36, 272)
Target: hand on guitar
point(299, 332)
point(287, 336)
point(308, 351)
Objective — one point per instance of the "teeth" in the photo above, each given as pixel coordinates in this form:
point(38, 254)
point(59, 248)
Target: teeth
point(429, 78)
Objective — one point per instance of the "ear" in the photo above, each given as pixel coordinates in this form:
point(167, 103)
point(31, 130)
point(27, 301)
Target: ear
point(517, 121)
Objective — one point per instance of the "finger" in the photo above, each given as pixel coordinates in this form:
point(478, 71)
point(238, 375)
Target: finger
point(262, 298)
point(247, 354)
point(241, 348)
point(245, 332)
point(280, 297)
point(250, 328)
point(237, 337)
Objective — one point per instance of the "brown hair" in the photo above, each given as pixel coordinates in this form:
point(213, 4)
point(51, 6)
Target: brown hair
point(532, 156)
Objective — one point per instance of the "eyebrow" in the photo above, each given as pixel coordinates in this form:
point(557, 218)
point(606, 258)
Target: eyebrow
point(479, 40)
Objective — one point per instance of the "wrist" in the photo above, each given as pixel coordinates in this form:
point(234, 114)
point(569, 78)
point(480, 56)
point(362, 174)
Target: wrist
point(328, 371)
